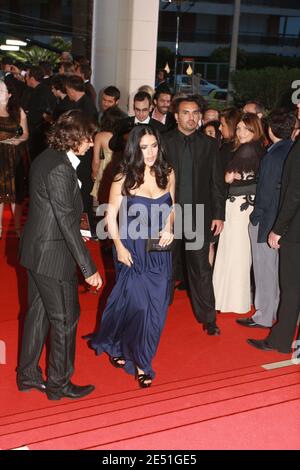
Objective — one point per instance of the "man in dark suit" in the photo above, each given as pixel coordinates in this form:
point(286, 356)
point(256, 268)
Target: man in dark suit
point(162, 102)
point(199, 181)
point(76, 92)
point(48, 73)
point(41, 101)
point(142, 107)
point(58, 88)
point(109, 97)
point(75, 88)
point(286, 236)
point(264, 258)
point(51, 247)
point(85, 72)
point(161, 79)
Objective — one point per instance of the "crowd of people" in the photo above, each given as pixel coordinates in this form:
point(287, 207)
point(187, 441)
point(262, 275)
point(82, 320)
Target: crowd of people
point(236, 170)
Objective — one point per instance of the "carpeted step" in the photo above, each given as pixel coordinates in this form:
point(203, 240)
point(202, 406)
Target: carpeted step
point(267, 428)
point(98, 424)
point(68, 409)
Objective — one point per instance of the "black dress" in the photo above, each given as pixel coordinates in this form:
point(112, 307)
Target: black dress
point(12, 157)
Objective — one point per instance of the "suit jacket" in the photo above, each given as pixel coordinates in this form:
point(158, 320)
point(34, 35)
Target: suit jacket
point(51, 242)
point(117, 143)
point(288, 220)
point(90, 91)
point(207, 177)
point(86, 104)
point(169, 124)
point(268, 188)
point(62, 106)
point(41, 101)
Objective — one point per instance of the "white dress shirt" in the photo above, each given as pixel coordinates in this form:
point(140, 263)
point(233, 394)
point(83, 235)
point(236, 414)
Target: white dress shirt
point(136, 121)
point(74, 160)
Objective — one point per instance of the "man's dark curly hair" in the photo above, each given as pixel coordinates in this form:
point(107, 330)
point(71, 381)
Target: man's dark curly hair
point(70, 131)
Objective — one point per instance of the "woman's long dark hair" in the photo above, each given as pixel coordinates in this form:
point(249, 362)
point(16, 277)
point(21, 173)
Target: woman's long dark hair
point(111, 119)
point(232, 117)
point(216, 126)
point(133, 166)
point(13, 106)
point(254, 125)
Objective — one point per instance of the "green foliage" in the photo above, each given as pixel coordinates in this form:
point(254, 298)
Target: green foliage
point(61, 44)
point(257, 61)
point(250, 60)
point(35, 54)
point(222, 54)
point(271, 86)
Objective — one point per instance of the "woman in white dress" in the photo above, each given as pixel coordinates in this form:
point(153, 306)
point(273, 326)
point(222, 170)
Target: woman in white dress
point(231, 277)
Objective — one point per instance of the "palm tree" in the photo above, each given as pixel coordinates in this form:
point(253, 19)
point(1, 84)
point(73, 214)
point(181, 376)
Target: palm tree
point(35, 54)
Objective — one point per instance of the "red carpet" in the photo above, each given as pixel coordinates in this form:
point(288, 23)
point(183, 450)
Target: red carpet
point(209, 392)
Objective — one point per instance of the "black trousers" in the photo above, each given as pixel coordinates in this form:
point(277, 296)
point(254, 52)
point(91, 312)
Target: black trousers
point(53, 307)
point(283, 332)
point(84, 173)
point(199, 274)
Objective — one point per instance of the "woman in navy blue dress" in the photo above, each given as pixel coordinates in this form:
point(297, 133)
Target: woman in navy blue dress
point(140, 207)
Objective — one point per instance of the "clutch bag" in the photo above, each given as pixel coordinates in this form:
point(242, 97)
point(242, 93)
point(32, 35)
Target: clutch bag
point(152, 244)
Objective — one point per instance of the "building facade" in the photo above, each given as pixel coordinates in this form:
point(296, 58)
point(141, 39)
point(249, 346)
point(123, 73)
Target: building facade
point(42, 20)
point(266, 26)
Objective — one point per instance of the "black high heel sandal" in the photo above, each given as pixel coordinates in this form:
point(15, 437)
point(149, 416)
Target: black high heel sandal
point(142, 378)
point(115, 361)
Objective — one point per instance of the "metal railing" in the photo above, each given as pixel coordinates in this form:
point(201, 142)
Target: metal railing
point(293, 4)
point(214, 72)
point(244, 38)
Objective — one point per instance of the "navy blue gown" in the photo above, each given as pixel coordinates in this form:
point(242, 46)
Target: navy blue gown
point(136, 309)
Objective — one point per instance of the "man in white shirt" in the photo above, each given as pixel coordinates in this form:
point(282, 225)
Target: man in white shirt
point(142, 105)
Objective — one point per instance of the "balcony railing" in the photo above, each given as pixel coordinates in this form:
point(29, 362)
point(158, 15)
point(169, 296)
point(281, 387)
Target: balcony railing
point(273, 3)
point(244, 38)
point(294, 4)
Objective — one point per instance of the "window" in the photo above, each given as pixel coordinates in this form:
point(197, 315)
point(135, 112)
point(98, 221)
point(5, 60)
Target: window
point(289, 25)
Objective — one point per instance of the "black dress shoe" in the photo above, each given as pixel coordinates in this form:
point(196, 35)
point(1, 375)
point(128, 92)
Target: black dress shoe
point(212, 329)
point(70, 391)
point(250, 323)
point(261, 344)
point(27, 385)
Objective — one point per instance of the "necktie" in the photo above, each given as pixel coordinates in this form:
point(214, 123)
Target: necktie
point(186, 172)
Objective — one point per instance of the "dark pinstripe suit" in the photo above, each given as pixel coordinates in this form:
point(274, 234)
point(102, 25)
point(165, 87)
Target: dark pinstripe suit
point(51, 246)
